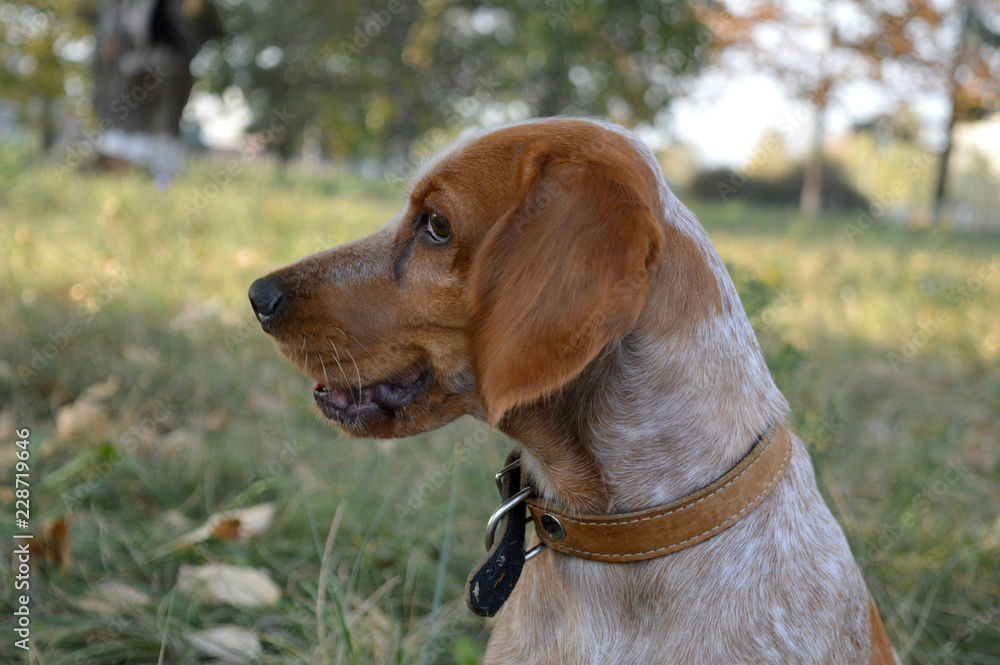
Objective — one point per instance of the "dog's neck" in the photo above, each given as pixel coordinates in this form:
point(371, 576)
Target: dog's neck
point(668, 408)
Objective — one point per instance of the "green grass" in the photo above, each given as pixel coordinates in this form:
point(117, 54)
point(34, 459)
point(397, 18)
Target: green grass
point(111, 278)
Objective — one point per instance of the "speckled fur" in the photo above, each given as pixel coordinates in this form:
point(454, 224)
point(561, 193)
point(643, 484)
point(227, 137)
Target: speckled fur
point(666, 391)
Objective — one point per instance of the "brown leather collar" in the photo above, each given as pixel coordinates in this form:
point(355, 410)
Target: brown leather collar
point(624, 537)
point(665, 529)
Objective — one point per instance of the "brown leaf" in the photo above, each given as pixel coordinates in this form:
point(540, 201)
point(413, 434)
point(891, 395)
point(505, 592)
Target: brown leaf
point(233, 525)
point(227, 530)
point(50, 546)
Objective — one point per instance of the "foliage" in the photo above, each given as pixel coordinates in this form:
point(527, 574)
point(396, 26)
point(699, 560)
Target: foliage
point(43, 53)
point(820, 50)
point(370, 80)
point(947, 48)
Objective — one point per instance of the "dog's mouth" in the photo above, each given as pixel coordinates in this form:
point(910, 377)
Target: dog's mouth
point(395, 394)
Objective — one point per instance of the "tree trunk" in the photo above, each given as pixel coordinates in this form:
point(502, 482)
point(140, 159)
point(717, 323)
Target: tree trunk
point(48, 128)
point(142, 78)
point(944, 164)
point(554, 97)
point(811, 198)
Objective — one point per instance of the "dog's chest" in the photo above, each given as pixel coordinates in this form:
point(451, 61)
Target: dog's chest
point(781, 587)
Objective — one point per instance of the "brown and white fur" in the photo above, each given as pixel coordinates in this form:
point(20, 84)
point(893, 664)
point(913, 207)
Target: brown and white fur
point(571, 300)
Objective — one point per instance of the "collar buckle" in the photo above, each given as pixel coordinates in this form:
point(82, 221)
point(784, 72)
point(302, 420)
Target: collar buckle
point(517, 499)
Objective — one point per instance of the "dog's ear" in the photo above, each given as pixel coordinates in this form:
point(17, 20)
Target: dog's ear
point(560, 276)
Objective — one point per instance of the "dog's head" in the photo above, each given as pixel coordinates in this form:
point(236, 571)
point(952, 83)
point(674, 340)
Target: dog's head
point(519, 255)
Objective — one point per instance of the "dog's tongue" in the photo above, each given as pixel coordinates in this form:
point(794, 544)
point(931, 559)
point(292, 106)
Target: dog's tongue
point(336, 396)
point(407, 378)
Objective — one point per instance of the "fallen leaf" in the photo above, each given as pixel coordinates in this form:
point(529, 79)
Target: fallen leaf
point(141, 355)
point(991, 537)
point(181, 441)
point(110, 598)
point(234, 525)
point(226, 584)
point(87, 413)
point(251, 521)
point(51, 544)
point(230, 644)
point(100, 391)
point(175, 520)
point(79, 417)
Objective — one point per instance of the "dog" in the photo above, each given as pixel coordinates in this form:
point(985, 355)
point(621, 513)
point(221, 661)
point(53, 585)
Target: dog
point(543, 278)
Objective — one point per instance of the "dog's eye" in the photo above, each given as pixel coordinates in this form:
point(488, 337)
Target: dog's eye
point(438, 228)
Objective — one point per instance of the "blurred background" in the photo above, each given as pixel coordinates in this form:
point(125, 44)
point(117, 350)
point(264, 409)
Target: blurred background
point(803, 99)
point(158, 155)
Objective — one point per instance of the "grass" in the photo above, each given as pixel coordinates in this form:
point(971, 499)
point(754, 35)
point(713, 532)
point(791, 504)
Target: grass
point(886, 343)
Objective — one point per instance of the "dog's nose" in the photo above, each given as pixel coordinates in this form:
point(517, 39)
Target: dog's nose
point(268, 302)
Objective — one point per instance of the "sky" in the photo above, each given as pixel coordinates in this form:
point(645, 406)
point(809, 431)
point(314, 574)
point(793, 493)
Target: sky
point(726, 116)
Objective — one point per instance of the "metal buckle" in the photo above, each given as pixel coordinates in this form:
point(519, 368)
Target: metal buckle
point(506, 507)
point(504, 471)
point(533, 552)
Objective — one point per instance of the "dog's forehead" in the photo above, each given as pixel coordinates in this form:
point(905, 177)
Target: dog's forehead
point(485, 161)
point(510, 139)
point(434, 161)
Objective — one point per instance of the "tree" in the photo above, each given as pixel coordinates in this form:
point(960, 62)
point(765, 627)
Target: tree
point(815, 49)
point(142, 78)
point(375, 78)
point(796, 43)
point(952, 50)
point(625, 60)
point(45, 45)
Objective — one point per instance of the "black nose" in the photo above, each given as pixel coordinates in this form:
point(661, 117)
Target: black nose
point(268, 302)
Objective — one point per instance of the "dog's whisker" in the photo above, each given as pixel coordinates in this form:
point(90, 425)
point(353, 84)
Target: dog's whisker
point(355, 366)
point(337, 359)
point(326, 379)
point(350, 336)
